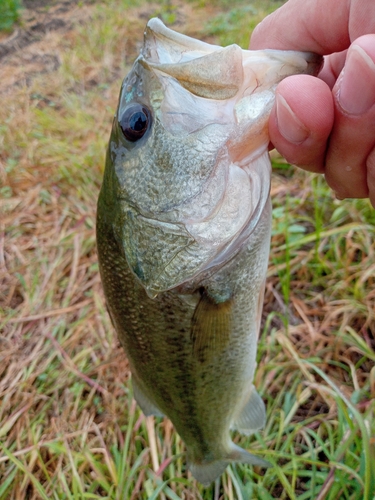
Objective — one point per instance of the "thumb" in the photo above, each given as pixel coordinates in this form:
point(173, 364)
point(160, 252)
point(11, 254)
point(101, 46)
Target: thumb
point(300, 125)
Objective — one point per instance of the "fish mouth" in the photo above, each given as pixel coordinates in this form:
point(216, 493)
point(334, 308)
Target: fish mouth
point(172, 244)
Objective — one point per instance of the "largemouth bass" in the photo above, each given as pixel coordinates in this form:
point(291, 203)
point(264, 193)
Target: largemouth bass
point(183, 234)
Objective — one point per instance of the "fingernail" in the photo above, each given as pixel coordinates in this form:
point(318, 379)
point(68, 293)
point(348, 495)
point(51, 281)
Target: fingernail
point(356, 93)
point(290, 127)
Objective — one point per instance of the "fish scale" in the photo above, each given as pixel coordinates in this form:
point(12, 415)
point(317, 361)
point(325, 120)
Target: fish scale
point(183, 234)
point(160, 171)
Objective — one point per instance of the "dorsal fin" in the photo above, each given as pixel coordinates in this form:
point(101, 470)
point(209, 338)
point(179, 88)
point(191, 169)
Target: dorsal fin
point(211, 327)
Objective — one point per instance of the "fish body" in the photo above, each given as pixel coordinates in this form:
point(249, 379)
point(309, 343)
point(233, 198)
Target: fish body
point(183, 234)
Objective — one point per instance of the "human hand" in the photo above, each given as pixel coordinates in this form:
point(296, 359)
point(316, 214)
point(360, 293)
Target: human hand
point(327, 124)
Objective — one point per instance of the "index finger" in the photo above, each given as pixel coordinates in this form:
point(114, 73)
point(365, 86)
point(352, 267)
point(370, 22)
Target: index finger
point(320, 26)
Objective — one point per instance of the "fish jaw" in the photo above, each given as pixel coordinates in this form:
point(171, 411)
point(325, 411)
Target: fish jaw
point(163, 45)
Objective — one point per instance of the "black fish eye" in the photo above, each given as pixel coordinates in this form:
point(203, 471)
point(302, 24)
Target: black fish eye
point(135, 122)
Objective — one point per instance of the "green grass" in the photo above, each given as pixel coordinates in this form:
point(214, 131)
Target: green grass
point(9, 14)
point(237, 20)
point(69, 427)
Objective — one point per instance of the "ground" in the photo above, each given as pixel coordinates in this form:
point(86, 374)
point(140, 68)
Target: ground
point(69, 427)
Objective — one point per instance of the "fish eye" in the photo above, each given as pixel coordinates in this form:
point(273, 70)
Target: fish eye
point(135, 122)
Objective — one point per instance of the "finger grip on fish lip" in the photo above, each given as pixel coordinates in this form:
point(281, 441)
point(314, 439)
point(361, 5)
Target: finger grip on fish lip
point(183, 234)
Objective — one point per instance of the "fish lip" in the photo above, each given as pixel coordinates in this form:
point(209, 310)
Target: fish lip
point(157, 37)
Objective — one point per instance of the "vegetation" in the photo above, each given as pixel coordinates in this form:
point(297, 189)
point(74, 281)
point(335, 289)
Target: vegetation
point(69, 427)
point(237, 20)
point(9, 13)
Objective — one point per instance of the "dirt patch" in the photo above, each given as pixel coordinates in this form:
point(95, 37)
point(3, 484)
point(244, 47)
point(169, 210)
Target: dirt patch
point(34, 48)
point(38, 19)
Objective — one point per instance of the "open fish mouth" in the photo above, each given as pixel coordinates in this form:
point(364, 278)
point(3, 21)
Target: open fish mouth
point(216, 103)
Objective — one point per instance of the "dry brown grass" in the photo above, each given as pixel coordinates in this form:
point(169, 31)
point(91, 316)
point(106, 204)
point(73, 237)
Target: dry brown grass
point(69, 427)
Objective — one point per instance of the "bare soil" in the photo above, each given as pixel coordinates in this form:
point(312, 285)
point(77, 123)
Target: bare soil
point(35, 45)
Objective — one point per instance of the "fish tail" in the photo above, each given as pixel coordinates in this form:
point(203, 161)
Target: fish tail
point(207, 472)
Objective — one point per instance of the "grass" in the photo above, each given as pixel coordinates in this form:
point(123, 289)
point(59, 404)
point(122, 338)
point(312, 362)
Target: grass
point(69, 427)
point(238, 19)
point(9, 14)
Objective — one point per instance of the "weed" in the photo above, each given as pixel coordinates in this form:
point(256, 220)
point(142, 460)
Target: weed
point(238, 19)
point(9, 14)
point(69, 427)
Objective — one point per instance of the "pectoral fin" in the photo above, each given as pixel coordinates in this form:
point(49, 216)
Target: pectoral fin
point(211, 327)
point(252, 416)
point(146, 405)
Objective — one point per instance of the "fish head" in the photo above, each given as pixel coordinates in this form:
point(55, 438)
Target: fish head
point(187, 171)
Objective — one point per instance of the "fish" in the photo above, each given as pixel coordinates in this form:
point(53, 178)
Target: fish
point(183, 234)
